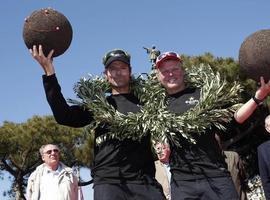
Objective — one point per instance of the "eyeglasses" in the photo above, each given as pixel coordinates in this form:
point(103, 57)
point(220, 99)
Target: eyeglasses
point(115, 53)
point(168, 54)
point(52, 150)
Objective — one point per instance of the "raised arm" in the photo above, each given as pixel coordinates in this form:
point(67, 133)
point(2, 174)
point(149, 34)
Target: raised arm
point(45, 62)
point(244, 112)
point(74, 116)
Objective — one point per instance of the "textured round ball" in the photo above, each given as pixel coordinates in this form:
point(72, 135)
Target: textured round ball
point(49, 28)
point(254, 55)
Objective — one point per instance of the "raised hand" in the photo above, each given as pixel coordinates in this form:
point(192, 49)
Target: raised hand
point(45, 62)
point(263, 90)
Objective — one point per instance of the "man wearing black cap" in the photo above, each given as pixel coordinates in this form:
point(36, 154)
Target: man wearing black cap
point(123, 170)
point(198, 171)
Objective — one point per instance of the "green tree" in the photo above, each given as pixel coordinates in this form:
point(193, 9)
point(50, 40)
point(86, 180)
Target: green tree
point(20, 143)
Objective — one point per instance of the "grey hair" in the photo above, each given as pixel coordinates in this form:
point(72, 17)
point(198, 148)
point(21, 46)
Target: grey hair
point(165, 142)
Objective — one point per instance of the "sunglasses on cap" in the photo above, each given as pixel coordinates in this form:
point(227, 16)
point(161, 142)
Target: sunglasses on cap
point(52, 150)
point(115, 53)
point(165, 56)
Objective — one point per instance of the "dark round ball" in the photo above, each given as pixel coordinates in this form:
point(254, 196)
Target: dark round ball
point(254, 55)
point(49, 28)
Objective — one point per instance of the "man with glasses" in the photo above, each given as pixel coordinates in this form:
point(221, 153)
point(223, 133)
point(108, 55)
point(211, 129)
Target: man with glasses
point(198, 171)
point(122, 170)
point(52, 179)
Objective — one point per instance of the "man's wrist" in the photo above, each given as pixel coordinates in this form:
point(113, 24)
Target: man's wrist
point(257, 101)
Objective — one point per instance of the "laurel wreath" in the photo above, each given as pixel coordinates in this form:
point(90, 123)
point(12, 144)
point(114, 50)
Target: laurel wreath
point(212, 110)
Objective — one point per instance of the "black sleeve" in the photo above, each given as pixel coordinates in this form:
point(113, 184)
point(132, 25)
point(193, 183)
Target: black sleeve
point(74, 116)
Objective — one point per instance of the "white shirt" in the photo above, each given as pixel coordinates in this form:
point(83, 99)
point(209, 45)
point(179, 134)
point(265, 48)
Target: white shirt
point(49, 184)
point(167, 168)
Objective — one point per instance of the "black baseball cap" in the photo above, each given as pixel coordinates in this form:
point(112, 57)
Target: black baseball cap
point(116, 54)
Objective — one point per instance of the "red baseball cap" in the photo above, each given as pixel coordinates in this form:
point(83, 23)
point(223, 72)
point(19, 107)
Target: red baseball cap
point(169, 55)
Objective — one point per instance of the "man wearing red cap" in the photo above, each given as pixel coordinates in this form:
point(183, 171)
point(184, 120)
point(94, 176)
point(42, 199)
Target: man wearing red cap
point(123, 170)
point(198, 170)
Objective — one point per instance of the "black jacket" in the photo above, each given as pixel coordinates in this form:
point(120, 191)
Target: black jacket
point(194, 161)
point(114, 161)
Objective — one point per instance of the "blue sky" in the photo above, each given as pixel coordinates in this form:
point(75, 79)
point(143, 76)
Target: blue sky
point(190, 27)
